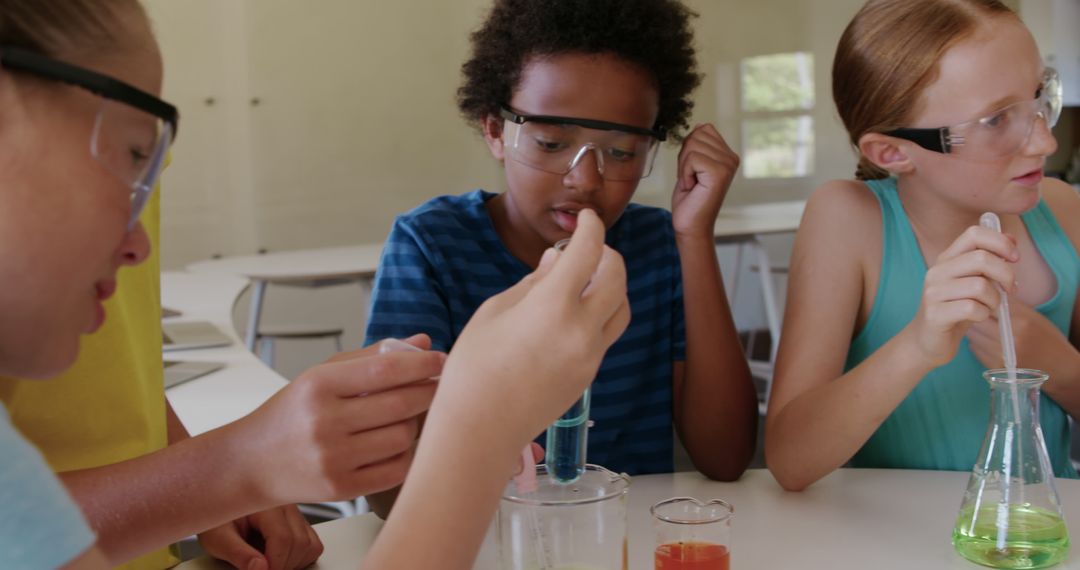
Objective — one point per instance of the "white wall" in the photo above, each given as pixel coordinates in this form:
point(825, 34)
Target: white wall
point(356, 121)
point(207, 193)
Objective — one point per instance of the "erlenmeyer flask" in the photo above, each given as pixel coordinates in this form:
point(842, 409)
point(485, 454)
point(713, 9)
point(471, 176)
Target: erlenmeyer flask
point(1011, 515)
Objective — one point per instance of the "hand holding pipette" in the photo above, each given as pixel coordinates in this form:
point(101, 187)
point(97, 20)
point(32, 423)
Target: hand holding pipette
point(959, 290)
point(574, 305)
point(1039, 343)
point(525, 356)
point(997, 343)
point(357, 400)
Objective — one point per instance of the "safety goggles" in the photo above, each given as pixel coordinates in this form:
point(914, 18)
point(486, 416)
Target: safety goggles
point(1000, 134)
point(132, 132)
point(558, 144)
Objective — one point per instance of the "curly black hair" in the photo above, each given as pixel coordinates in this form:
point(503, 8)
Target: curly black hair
point(654, 34)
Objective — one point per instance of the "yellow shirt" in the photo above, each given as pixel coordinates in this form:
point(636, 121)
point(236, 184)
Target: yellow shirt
point(110, 406)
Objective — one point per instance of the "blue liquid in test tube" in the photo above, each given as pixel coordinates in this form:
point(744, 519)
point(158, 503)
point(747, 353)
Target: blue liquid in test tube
point(566, 442)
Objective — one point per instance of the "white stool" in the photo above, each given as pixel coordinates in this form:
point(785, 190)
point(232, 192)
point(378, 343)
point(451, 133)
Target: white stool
point(266, 337)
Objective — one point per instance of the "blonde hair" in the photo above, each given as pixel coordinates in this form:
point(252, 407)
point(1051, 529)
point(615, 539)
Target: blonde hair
point(889, 54)
point(60, 27)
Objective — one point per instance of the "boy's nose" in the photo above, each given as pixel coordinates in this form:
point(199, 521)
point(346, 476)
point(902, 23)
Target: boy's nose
point(585, 172)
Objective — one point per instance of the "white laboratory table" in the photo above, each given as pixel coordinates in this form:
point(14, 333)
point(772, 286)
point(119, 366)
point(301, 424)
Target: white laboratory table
point(244, 383)
point(854, 519)
point(739, 222)
point(741, 225)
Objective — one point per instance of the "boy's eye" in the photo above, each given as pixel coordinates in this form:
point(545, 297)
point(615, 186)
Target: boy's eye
point(621, 155)
point(549, 145)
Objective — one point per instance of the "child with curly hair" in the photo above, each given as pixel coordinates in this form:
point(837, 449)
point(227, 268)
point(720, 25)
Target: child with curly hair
point(574, 97)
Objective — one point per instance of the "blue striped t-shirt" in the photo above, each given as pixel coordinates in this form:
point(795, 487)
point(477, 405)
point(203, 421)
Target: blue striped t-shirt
point(444, 258)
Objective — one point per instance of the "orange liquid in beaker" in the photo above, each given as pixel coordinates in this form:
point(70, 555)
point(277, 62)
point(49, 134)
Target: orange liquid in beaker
point(692, 556)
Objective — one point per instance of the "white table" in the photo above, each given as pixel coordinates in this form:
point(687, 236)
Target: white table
point(853, 519)
point(244, 383)
point(334, 265)
point(308, 268)
point(737, 222)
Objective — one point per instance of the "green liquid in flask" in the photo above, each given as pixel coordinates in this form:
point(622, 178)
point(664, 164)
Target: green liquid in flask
point(1036, 538)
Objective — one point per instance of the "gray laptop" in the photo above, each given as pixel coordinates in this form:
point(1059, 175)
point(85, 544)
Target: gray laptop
point(180, 372)
point(194, 334)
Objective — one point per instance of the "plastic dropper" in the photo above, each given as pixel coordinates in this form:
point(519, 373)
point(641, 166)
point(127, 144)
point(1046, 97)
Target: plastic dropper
point(990, 221)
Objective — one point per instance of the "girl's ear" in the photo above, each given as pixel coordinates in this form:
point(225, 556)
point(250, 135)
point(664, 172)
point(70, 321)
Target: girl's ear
point(886, 152)
point(492, 127)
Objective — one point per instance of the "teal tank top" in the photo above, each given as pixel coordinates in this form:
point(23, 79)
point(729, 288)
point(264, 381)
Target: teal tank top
point(941, 424)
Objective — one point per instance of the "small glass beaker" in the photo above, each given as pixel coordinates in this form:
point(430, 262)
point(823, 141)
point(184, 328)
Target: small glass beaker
point(692, 534)
point(577, 526)
point(1011, 513)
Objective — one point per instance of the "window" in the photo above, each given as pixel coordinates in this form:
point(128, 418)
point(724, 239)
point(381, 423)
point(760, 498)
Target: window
point(777, 129)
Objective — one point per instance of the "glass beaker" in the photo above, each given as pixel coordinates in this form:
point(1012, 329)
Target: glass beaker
point(580, 526)
point(1011, 514)
point(692, 535)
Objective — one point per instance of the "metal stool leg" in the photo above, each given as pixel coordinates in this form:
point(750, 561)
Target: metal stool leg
point(255, 313)
point(772, 313)
point(738, 271)
point(266, 350)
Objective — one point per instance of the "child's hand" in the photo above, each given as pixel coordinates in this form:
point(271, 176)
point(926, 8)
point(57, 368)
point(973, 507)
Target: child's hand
point(529, 352)
point(706, 168)
point(959, 290)
point(1039, 344)
point(342, 429)
point(287, 540)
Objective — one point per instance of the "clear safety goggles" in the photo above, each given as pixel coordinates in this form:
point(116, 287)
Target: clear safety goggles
point(133, 129)
point(558, 144)
point(1000, 134)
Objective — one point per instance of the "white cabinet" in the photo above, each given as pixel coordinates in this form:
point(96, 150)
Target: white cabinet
point(1056, 26)
point(308, 124)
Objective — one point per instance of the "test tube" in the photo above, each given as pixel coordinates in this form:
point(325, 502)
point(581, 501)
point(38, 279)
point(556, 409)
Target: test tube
point(567, 438)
